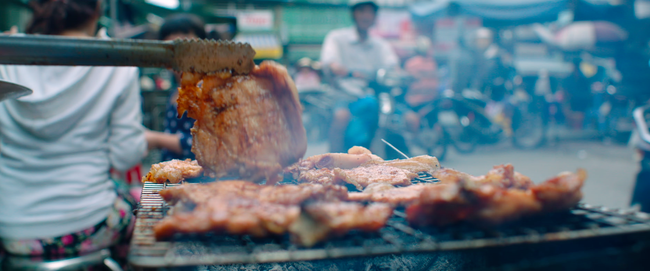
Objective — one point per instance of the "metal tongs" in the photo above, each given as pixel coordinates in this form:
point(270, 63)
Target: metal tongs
point(203, 56)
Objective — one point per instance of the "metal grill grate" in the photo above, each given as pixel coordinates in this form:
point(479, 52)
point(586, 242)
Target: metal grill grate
point(584, 221)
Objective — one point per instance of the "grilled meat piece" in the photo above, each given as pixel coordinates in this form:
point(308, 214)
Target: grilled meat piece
point(422, 163)
point(386, 193)
point(239, 207)
point(230, 214)
point(501, 175)
point(173, 171)
point(360, 177)
point(328, 219)
point(491, 203)
point(355, 157)
point(561, 192)
point(282, 194)
point(360, 168)
point(247, 126)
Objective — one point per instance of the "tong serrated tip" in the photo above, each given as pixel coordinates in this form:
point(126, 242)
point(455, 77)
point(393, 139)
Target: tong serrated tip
point(211, 56)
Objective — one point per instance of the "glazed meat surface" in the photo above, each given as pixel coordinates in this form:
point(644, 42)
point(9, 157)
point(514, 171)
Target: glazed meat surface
point(422, 163)
point(561, 192)
point(247, 126)
point(281, 194)
point(501, 175)
point(360, 168)
point(239, 207)
point(386, 193)
point(487, 202)
point(360, 177)
point(173, 171)
point(330, 219)
point(232, 215)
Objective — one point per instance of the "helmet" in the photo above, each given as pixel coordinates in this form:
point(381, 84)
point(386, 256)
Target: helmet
point(355, 3)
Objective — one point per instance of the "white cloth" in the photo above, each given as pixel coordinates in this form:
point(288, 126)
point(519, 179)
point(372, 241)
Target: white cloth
point(343, 47)
point(58, 144)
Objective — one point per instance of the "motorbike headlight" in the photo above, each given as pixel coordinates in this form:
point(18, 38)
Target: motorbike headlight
point(448, 93)
point(611, 90)
point(385, 105)
point(464, 121)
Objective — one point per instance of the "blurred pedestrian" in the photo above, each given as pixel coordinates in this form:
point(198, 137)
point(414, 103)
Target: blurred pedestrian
point(490, 69)
point(423, 68)
point(59, 143)
point(641, 192)
point(176, 141)
point(578, 89)
point(353, 57)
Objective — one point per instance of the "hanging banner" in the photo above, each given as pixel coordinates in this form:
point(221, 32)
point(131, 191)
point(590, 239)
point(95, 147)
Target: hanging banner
point(255, 20)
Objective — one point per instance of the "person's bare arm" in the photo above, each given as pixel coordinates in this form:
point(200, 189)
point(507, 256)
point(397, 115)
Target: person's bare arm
point(160, 140)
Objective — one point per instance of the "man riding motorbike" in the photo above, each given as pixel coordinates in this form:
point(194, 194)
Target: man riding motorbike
point(351, 57)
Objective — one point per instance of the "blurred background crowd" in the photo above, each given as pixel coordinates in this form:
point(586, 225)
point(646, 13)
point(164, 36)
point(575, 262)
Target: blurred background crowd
point(548, 85)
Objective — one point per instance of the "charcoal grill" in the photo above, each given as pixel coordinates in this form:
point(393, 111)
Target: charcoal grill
point(585, 222)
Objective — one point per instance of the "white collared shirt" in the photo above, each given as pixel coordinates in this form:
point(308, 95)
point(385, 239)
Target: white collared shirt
point(342, 46)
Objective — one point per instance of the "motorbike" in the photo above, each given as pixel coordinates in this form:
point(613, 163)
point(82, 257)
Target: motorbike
point(470, 118)
point(391, 92)
point(530, 115)
point(463, 119)
point(615, 113)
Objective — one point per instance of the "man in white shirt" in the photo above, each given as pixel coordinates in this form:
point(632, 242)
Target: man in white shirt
point(353, 57)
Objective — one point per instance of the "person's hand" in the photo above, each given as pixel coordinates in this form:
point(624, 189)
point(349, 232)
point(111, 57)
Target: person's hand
point(160, 140)
point(339, 70)
point(152, 138)
point(11, 31)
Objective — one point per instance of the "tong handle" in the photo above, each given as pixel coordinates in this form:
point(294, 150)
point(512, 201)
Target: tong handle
point(53, 50)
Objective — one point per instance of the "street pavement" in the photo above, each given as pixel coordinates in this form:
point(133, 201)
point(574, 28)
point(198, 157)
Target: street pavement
point(611, 167)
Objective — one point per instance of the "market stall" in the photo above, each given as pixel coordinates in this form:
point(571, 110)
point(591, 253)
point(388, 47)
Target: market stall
point(559, 232)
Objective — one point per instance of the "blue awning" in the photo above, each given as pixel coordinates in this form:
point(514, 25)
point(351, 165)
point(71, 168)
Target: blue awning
point(428, 8)
point(501, 10)
point(513, 10)
point(590, 10)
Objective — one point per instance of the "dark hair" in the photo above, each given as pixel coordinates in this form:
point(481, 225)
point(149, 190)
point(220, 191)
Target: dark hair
point(182, 23)
point(51, 17)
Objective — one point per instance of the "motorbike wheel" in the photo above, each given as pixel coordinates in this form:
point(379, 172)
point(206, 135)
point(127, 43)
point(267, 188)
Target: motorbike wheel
point(434, 140)
point(529, 130)
point(466, 141)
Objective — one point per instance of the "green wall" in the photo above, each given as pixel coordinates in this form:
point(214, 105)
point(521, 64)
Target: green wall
point(310, 24)
point(13, 14)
